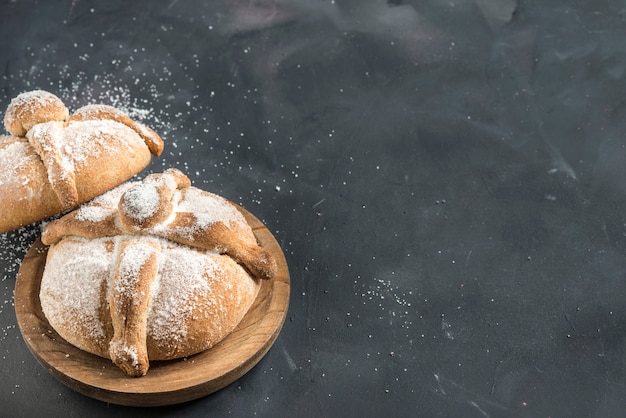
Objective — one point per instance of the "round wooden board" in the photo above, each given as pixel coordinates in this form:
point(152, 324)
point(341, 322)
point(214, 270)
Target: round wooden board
point(167, 382)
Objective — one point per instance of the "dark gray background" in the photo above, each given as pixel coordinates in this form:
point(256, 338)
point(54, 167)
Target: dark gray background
point(446, 179)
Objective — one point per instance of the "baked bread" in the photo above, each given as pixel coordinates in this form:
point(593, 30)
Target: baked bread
point(151, 270)
point(53, 161)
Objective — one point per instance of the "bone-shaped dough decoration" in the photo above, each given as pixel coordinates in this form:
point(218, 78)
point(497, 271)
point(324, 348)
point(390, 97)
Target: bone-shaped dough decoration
point(165, 205)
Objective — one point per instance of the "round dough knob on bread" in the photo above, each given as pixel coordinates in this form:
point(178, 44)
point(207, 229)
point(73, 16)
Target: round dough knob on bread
point(33, 107)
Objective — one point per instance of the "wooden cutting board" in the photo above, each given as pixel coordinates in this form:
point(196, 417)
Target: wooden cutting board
point(167, 382)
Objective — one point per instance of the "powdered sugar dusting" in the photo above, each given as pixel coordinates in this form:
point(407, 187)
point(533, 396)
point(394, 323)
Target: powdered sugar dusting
point(132, 259)
point(173, 305)
point(80, 140)
point(72, 145)
point(166, 179)
point(94, 213)
point(28, 103)
point(75, 305)
point(41, 98)
point(141, 202)
point(130, 351)
point(14, 158)
point(13, 247)
point(49, 142)
point(209, 208)
point(111, 198)
point(33, 96)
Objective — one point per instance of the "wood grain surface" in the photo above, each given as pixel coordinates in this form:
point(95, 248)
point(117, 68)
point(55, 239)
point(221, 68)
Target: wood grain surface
point(167, 382)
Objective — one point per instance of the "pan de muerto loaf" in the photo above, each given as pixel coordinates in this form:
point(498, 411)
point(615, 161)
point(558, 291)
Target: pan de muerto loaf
point(53, 161)
point(151, 270)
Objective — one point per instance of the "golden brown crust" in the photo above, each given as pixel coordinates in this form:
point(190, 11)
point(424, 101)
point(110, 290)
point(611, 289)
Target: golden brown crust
point(25, 192)
point(67, 316)
point(183, 267)
point(53, 162)
point(44, 138)
point(103, 112)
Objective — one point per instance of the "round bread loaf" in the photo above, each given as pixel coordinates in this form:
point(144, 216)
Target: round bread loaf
point(52, 162)
point(151, 270)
